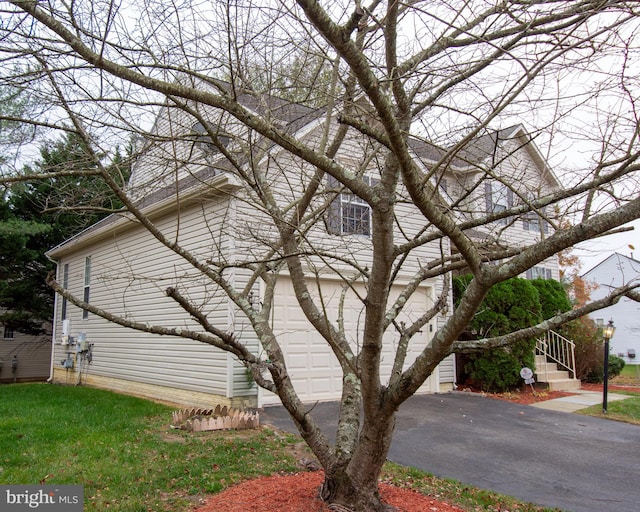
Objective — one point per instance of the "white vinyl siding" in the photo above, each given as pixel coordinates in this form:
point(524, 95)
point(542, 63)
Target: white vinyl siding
point(130, 272)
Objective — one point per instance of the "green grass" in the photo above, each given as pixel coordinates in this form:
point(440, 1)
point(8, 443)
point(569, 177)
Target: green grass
point(466, 497)
point(627, 410)
point(629, 375)
point(122, 449)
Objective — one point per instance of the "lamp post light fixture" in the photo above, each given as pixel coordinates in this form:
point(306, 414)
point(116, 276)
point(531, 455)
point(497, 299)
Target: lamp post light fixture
point(607, 333)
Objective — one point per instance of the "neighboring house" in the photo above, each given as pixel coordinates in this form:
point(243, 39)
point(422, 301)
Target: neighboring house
point(614, 271)
point(120, 267)
point(24, 358)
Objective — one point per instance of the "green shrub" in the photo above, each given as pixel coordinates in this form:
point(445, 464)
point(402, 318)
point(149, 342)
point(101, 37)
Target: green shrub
point(553, 297)
point(511, 305)
point(596, 373)
point(588, 348)
point(616, 364)
point(498, 369)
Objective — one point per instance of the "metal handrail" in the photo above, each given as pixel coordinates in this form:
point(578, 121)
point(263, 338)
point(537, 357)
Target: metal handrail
point(558, 349)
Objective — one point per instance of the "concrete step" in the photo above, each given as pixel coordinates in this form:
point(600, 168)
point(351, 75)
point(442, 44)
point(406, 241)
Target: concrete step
point(540, 360)
point(548, 376)
point(549, 367)
point(563, 385)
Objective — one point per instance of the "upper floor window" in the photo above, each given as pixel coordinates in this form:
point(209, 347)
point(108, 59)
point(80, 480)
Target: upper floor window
point(348, 214)
point(532, 222)
point(498, 197)
point(87, 285)
point(8, 333)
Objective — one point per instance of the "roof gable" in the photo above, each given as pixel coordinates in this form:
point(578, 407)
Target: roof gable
point(617, 260)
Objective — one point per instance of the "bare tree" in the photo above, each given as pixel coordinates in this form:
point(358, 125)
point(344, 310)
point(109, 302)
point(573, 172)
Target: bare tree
point(408, 98)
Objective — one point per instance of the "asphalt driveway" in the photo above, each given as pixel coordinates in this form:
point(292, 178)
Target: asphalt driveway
point(556, 459)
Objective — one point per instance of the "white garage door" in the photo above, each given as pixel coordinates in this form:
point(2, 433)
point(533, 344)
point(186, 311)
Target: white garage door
point(314, 370)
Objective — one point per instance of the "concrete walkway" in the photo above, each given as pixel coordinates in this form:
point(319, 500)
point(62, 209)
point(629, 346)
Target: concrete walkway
point(580, 400)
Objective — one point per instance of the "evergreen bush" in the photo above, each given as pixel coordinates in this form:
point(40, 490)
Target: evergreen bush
point(509, 306)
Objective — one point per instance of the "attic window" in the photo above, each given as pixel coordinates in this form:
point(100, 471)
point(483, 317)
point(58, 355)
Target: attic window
point(203, 139)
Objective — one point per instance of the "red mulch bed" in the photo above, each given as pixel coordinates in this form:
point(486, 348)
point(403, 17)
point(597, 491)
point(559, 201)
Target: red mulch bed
point(299, 493)
point(523, 396)
point(612, 387)
point(526, 395)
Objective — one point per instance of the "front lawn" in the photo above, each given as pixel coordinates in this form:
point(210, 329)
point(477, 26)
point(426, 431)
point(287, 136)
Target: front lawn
point(629, 376)
point(122, 449)
point(627, 410)
point(124, 453)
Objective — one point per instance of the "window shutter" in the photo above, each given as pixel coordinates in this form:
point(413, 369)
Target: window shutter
point(525, 224)
point(334, 217)
point(509, 198)
point(529, 274)
point(549, 273)
point(487, 196)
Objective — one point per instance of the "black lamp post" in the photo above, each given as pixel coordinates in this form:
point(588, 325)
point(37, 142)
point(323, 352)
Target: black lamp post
point(607, 334)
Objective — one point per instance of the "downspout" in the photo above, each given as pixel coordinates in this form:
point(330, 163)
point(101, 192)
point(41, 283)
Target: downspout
point(53, 323)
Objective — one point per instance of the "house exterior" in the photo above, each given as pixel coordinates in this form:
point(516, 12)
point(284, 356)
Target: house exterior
point(192, 195)
point(614, 271)
point(23, 357)
point(520, 174)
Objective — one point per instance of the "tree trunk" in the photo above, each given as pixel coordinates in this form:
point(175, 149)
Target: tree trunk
point(353, 483)
point(339, 488)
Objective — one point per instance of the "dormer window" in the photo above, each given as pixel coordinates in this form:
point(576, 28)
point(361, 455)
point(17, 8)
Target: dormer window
point(204, 142)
